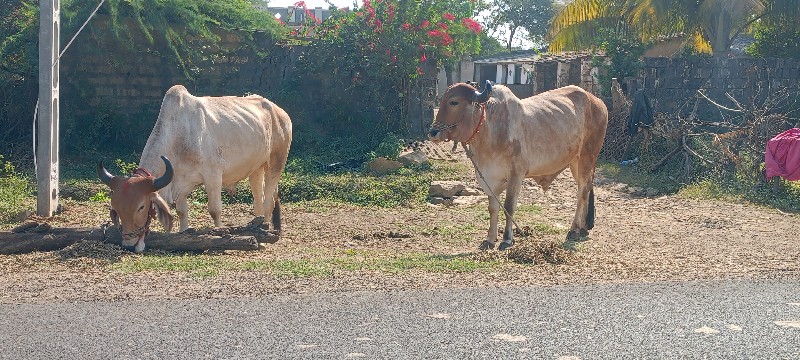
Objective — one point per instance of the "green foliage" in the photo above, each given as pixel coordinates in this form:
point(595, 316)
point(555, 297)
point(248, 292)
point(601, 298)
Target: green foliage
point(624, 56)
point(188, 27)
point(778, 41)
point(126, 168)
point(709, 24)
point(390, 147)
point(15, 191)
point(531, 15)
point(101, 197)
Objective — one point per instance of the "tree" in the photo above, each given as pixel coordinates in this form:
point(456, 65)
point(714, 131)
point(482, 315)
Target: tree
point(372, 52)
point(709, 24)
point(531, 15)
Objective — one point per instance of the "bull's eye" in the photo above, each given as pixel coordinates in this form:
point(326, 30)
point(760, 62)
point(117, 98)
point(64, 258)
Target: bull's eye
point(141, 208)
point(454, 103)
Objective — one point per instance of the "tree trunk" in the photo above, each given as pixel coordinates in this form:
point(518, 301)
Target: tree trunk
point(720, 42)
point(41, 237)
point(511, 37)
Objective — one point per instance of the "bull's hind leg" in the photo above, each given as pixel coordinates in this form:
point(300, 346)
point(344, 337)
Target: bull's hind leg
point(182, 208)
point(271, 201)
point(257, 187)
point(214, 192)
point(583, 173)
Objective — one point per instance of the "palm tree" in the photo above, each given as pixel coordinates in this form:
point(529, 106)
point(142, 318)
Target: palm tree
point(705, 23)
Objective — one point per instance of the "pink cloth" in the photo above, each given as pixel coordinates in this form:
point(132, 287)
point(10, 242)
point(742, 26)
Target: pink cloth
point(783, 155)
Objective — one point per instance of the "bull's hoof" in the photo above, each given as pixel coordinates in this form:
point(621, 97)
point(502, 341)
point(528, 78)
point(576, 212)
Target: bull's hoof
point(577, 236)
point(505, 245)
point(486, 245)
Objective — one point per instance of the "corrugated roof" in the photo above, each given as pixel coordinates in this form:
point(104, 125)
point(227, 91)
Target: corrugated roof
point(533, 57)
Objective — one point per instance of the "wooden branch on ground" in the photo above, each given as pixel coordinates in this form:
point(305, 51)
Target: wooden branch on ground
point(33, 236)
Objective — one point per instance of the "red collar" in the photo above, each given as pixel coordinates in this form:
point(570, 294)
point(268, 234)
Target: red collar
point(480, 122)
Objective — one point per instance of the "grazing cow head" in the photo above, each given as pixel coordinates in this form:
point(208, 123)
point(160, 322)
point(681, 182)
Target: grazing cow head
point(135, 201)
point(458, 114)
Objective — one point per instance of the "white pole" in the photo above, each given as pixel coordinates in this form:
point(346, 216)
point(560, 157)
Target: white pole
point(47, 139)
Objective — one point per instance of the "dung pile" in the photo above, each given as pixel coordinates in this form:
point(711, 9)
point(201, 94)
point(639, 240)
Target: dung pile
point(532, 247)
point(93, 249)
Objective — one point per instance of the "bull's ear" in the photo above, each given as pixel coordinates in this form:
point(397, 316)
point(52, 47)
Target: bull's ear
point(162, 211)
point(114, 216)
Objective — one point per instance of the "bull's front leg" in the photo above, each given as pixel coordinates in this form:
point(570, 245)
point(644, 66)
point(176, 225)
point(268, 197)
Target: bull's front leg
point(512, 193)
point(494, 186)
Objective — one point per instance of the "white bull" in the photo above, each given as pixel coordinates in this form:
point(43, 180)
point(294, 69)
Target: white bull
point(213, 141)
point(537, 137)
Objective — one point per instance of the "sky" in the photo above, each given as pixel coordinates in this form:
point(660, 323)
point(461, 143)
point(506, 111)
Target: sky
point(313, 3)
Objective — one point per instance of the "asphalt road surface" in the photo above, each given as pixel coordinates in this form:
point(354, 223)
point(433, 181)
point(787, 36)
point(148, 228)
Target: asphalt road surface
point(711, 320)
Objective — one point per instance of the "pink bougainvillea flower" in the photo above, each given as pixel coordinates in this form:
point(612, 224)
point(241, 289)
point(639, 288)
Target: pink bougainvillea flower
point(301, 4)
point(472, 25)
point(406, 26)
point(442, 26)
point(423, 58)
point(446, 39)
point(425, 23)
point(434, 33)
point(419, 71)
point(449, 16)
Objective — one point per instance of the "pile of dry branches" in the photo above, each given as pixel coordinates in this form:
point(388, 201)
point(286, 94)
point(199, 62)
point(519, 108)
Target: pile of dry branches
point(736, 143)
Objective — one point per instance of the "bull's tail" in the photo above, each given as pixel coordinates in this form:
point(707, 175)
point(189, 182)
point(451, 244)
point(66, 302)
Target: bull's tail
point(590, 211)
point(276, 212)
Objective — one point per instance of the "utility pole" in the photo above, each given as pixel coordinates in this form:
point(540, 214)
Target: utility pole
point(47, 123)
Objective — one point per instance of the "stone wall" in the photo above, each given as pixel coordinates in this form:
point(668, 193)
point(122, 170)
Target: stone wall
point(671, 83)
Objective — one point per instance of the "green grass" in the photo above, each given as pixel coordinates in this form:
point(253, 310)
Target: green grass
point(16, 195)
point(321, 265)
point(710, 185)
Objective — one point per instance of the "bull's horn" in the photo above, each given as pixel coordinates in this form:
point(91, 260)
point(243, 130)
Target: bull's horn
point(482, 97)
point(103, 174)
point(166, 178)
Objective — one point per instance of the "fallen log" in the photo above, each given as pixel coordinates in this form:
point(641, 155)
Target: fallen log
point(35, 236)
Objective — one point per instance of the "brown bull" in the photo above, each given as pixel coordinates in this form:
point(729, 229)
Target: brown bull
point(135, 201)
point(538, 137)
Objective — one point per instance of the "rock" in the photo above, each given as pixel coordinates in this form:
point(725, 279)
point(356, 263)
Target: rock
point(23, 215)
point(637, 191)
point(620, 187)
point(468, 191)
point(650, 192)
point(445, 189)
point(468, 200)
point(438, 200)
point(382, 166)
point(413, 158)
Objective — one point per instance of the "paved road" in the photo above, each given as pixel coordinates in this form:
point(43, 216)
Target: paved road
point(715, 320)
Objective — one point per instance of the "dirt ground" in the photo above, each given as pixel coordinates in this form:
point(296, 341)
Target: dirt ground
point(638, 237)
